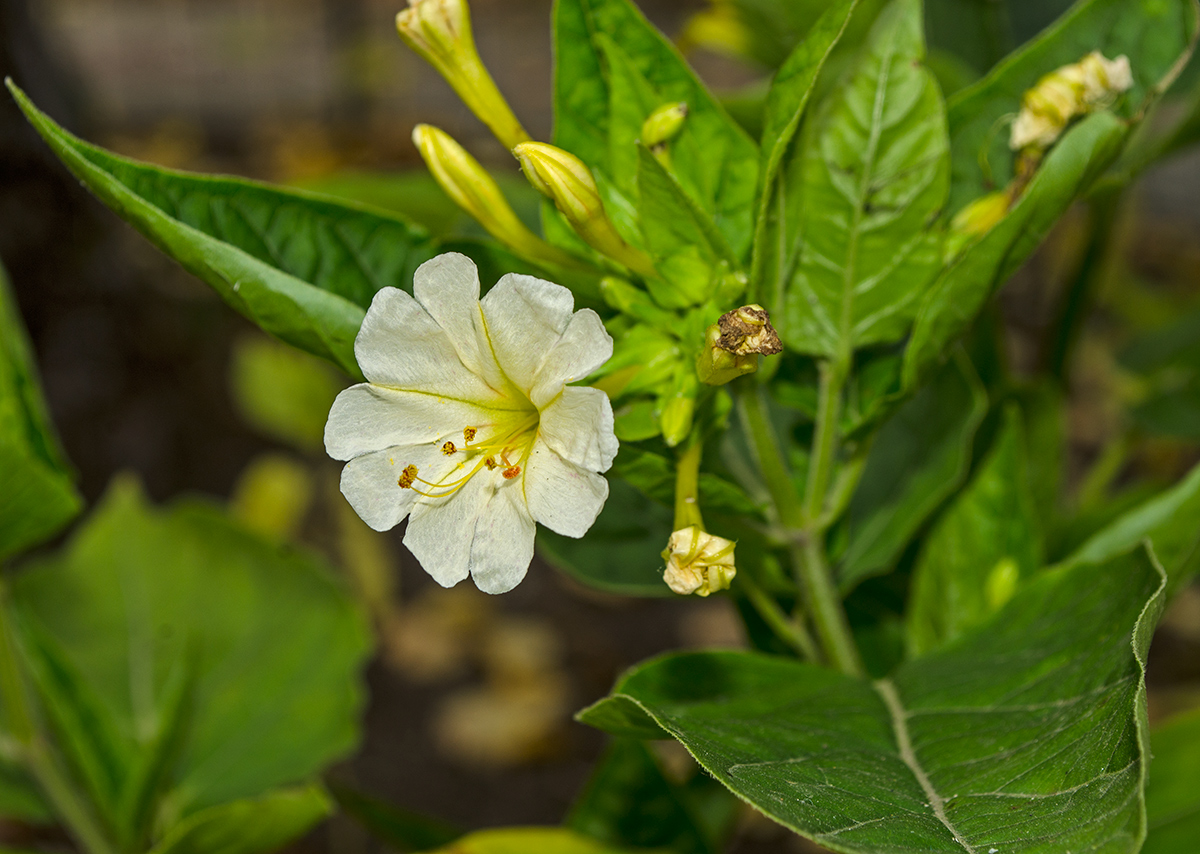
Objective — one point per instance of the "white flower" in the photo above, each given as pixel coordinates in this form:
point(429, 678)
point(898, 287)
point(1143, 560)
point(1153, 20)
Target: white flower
point(698, 562)
point(465, 425)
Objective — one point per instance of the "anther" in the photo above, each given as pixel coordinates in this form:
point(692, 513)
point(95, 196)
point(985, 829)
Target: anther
point(407, 477)
point(511, 472)
point(448, 448)
point(490, 463)
point(469, 434)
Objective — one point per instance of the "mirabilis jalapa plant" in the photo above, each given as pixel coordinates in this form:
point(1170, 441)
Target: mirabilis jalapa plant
point(773, 330)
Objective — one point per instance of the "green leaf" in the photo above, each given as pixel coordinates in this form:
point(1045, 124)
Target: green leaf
point(711, 157)
point(401, 829)
point(621, 552)
point(1025, 735)
point(302, 267)
point(39, 495)
point(283, 394)
point(654, 476)
point(980, 550)
point(524, 840)
point(1168, 520)
point(20, 796)
point(786, 102)
point(271, 636)
point(1172, 796)
point(875, 168)
point(251, 826)
point(962, 288)
point(628, 801)
point(920, 455)
point(1154, 34)
point(687, 249)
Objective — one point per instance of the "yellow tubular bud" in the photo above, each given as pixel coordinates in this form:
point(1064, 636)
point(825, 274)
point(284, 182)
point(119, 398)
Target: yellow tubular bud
point(440, 32)
point(566, 180)
point(475, 191)
point(663, 124)
point(698, 562)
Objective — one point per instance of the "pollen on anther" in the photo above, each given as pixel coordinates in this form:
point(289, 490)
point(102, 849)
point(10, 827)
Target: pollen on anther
point(490, 463)
point(469, 434)
point(449, 448)
point(511, 472)
point(407, 476)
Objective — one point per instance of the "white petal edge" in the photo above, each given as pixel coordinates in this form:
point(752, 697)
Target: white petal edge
point(369, 417)
point(562, 496)
point(503, 545)
point(399, 345)
point(525, 318)
point(440, 531)
point(584, 346)
point(578, 425)
point(369, 483)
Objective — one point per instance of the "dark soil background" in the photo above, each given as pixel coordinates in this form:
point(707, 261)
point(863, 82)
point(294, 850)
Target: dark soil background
point(135, 353)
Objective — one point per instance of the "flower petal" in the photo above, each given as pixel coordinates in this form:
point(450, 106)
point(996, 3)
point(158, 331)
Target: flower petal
point(503, 544)
point(370, 483)
point(525, 318)
point(369, 417)
point(562, 496)
point(401, 346)
point(448, 288)
point(578, 425)
point(440, 530)
point(584, 346)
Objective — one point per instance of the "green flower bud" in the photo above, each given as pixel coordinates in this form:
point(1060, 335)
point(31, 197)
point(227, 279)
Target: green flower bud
point(470, 186)
point(440, 32)
point(678, 407)
point(715, 366)
point(566, 180)
point(663, 124)
point(976, 220)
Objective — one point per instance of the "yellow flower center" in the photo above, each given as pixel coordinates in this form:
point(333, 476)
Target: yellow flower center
point(505, 445)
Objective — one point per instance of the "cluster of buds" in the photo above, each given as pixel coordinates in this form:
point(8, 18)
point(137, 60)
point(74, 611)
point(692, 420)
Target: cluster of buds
point(1065, 93)
point(733, 344)
point(698, 562)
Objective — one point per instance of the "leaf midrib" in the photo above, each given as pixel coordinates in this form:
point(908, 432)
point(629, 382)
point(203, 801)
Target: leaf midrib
point(886, 689)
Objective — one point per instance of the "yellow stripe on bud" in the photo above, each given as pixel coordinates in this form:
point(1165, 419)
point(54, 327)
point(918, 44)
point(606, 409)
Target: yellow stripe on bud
point(566, 180)
point(475, 191)
point(440, 32)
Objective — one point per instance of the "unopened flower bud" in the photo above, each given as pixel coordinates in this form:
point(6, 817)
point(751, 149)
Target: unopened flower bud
point(663, 124)
point(470, 186)
point(716, 366)
point(566, 180)
point(678, 406)
point(1063, 94)
point(440, 32)
point(976, 220)
point(698, 562)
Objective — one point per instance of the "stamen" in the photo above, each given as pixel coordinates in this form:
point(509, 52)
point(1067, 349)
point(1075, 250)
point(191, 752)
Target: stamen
point(468, 435)
point(448, 448)
point(407, 477)
point(511, 472)
point(490, 463)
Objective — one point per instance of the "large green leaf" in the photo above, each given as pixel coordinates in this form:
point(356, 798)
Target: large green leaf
point(148, 609)
point(1154, 34)
point(1172, 796)
point(39, 495)
point(622, 550)
point(962, 288)
point(628, 801)
point(921, 454)
point(875, 167)
point(1024, 736)
point(302, 267)
point(250, 826)
point(980, 548)
point(787, 100)
point(1170, 520)
point(711, 157)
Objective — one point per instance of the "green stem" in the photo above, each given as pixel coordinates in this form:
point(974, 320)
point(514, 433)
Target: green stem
point(34, 751)
point(808, 555)
point(687, 485)
point(770, 459)
point(790, 631)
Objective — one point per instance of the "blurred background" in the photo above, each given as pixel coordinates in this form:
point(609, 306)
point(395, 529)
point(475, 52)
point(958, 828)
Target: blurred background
point(147, 371)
